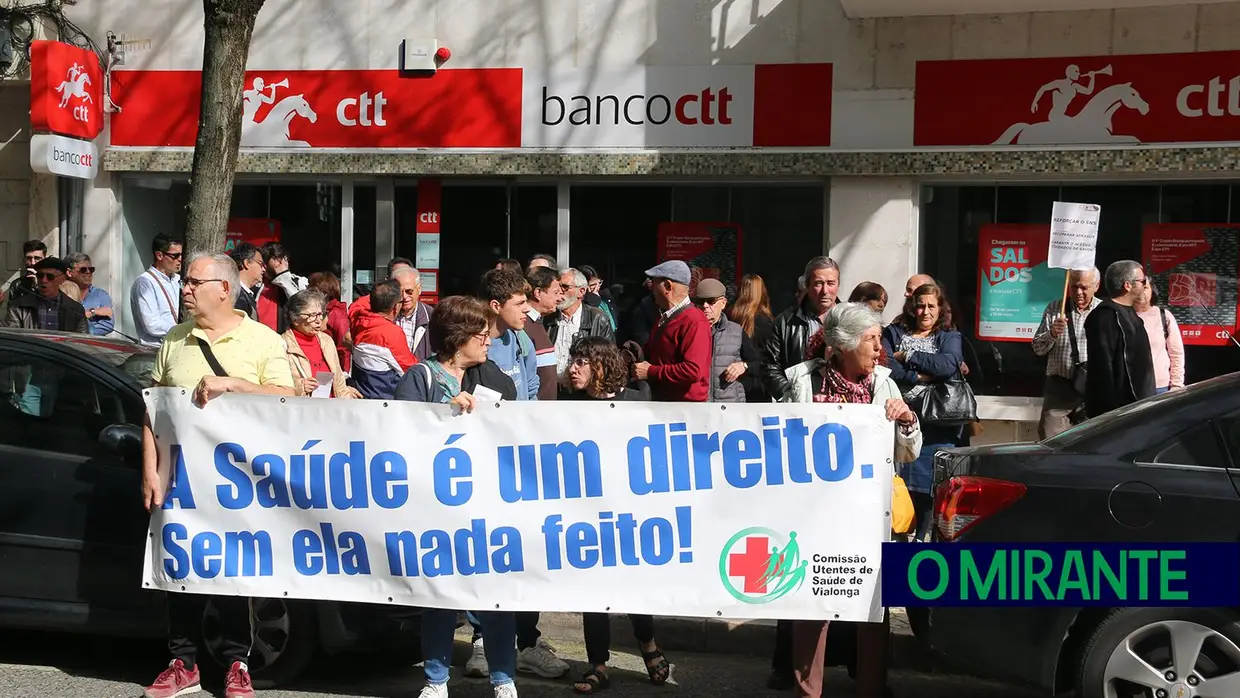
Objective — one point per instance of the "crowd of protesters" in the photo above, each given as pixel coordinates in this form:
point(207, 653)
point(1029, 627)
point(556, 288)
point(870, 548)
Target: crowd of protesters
point(244, 322)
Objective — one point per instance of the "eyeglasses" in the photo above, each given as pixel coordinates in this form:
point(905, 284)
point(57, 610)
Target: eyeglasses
point(1141, 281)
point(192, 283)
point(311, 317)
point(48, 276)
point(706, 301)
point(580, 361)
point(85, 270)
point(172, 255)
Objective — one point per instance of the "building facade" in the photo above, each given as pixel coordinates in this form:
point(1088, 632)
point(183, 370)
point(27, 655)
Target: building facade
point(756, 134)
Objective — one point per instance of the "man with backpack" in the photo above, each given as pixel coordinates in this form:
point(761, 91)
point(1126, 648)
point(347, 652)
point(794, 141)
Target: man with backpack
point(513, 351)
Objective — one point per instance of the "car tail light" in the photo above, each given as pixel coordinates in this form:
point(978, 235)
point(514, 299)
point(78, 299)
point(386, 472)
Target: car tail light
point(963, 502)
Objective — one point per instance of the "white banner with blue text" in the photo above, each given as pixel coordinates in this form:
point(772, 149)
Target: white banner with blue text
point(735, 511)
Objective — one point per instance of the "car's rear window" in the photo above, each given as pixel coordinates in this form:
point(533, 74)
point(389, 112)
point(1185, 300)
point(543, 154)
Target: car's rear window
point(1101, 424)
point(135, 360)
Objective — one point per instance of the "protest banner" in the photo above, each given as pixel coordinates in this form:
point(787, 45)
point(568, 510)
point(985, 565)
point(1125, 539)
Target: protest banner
point(1074, 240)
point(740, 511)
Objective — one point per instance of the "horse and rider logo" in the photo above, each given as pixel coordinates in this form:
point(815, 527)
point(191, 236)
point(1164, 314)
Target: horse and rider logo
point(273, 129)
point(1092, 124)
point(74, 86)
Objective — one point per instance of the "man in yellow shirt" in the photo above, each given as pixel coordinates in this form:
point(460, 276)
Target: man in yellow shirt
point(218, 350)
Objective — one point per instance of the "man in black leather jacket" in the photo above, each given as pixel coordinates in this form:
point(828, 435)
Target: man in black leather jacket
point(794, 326)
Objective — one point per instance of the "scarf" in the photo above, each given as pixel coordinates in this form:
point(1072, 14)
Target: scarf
point(835, 388)
point(451, 386)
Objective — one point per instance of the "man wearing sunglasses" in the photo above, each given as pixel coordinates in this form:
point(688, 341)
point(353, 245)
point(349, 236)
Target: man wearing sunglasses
point(96, 301)
point(1119, 363)
point(48, 308)
point(154, 297)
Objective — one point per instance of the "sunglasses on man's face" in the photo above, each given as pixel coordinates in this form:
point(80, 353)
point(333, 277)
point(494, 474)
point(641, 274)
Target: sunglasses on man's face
point(172, 255)
point(48, 276)
point(86, 270)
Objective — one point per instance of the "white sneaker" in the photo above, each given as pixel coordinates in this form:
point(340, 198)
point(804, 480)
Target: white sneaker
point(540, 659)
point(435, 690)
point(507, 690)
point(476, 667)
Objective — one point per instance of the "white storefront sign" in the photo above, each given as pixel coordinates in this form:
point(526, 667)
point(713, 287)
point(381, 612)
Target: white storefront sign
point(753, 511)
point(68, 157)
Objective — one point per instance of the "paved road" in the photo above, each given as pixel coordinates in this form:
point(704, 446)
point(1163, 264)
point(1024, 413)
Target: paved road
point(58, 666)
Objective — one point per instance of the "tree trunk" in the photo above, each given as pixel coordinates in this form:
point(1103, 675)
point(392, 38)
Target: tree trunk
point(229, 25)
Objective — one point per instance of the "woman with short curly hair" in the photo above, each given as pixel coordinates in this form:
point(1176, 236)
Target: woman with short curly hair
point(597, 371)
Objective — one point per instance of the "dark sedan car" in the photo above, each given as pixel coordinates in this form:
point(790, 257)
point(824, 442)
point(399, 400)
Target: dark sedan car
point(72, 526)
point(1162, 470)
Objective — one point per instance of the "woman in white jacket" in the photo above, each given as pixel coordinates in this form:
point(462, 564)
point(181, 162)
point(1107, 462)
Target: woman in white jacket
point(848, 368)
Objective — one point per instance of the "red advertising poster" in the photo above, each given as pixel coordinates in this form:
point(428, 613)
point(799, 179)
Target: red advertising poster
point(256, 231)
point(66, 90)
point(467, 108)
point(1153, 98)
point(1194, 267)
point(712, 251)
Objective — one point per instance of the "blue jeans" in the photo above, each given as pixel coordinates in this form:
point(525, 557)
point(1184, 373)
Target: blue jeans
point(499, 639)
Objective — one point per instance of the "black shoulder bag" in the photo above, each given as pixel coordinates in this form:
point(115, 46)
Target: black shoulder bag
point(1079, 370)
point(949, 404)
point(209, 355)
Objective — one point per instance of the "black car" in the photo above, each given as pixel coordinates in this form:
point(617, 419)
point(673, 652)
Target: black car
point(1162, 470)
point(73, 529)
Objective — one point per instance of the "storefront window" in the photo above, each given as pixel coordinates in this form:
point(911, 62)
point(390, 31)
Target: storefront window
point(615, 228)
point(953, 219)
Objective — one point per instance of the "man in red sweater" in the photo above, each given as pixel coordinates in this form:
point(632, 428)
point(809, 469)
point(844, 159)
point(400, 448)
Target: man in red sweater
point(677, 362)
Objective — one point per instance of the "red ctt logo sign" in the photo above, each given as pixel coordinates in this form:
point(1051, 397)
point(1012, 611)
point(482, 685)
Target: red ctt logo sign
point(66, 90)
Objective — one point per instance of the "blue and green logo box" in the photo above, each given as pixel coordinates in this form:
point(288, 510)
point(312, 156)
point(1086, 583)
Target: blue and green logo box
point(1061, 574)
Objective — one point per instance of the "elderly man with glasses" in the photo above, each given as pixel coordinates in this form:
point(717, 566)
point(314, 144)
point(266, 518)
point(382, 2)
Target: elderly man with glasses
point(218, 350)
point(1120, 365)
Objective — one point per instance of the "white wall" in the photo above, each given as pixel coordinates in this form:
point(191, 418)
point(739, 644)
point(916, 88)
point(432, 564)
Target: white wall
point(874, 59)
point(872, 234)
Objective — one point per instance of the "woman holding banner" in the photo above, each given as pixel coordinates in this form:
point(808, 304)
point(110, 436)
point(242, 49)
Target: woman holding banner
point(847, 368)
point(597, 371)
point(460, 334)
point(311, 352)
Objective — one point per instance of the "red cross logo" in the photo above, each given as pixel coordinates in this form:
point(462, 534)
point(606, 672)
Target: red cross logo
point(752, 564)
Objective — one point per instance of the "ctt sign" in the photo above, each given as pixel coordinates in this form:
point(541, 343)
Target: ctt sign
point(66, 90)
point(68, 157)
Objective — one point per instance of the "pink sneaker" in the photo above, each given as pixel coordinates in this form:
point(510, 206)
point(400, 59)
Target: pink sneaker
point(237, 683)
point(174, 681)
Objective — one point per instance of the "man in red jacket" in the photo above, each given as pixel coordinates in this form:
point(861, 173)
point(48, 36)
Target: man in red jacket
point(678, 351)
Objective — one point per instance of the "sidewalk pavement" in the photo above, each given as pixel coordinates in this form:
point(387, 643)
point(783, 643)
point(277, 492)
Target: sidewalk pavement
point(754, 638)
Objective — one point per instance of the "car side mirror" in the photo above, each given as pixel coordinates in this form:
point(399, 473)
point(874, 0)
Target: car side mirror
point(124, 440)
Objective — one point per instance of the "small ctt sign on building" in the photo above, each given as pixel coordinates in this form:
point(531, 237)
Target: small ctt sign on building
point(66, 109)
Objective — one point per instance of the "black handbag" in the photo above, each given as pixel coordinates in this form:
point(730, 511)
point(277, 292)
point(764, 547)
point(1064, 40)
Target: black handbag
point(948, 404)
point(1080, 373)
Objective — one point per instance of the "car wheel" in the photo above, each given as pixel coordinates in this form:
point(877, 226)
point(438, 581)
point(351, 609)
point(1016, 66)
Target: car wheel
point(1163, 653)
point(285, 639)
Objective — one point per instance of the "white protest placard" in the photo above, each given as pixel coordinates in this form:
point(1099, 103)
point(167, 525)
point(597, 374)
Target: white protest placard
point(1074, 235)
point(739, 511)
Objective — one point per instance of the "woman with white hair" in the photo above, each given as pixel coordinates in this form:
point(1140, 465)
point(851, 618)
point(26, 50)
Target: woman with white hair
point(847, 367)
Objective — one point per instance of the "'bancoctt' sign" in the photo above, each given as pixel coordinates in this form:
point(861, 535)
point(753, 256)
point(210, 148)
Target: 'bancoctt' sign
point(787, 105)
point(67, 157)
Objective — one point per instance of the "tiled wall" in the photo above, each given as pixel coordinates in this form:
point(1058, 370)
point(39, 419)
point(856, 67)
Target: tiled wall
point(988, 164)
